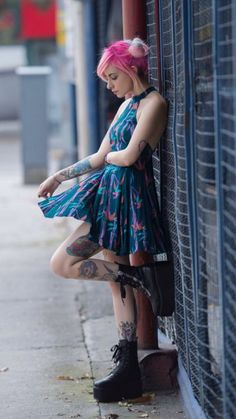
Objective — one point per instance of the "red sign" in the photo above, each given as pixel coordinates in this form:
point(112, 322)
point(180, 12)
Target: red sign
point(38, 19)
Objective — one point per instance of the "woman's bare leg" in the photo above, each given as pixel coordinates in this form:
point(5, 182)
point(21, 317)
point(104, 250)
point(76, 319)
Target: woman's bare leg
point(124, 310)
point(73, 259)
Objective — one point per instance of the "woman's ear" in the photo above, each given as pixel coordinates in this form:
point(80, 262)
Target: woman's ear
point(134, 69)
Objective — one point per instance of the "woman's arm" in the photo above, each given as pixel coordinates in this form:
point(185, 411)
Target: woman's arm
point(86, 165)
point(94, 161)
point(149, 128)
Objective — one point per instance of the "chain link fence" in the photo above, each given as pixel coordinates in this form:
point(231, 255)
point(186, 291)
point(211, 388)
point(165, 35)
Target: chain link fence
point(196, 183)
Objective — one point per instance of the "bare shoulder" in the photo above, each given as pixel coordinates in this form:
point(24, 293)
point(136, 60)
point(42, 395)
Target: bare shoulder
point(153, 105)
point(155, 101)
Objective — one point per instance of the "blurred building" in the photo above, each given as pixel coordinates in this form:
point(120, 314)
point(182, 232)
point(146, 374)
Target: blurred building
point(27, 37)
point(12, 54)
point(38, 29)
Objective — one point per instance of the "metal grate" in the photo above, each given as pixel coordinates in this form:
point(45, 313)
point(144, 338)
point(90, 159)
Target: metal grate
point(153, 73)
point(175, 186)
point(197, 175)
point(208, 299)
point(225, 99)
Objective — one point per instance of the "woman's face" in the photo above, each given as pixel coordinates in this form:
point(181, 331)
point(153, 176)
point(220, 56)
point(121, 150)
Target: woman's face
point(119, 82)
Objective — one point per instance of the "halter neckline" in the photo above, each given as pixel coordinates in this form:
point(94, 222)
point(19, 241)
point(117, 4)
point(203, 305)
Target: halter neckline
point(137, 98)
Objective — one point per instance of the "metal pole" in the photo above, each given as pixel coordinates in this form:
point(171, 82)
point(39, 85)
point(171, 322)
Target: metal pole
point(90, 58)
point(81, 80)
point(134, 19)
point(146, 322)
point(134, 24)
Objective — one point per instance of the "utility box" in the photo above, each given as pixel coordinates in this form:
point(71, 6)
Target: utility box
point(35, 122)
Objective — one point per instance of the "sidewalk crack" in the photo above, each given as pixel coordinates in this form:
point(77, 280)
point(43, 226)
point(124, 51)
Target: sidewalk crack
point(82, 321)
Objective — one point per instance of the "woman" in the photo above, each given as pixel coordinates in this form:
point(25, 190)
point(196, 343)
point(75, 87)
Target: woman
point(119, 207)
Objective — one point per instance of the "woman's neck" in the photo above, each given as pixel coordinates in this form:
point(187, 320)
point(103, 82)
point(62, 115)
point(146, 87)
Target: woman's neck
point(139, 88)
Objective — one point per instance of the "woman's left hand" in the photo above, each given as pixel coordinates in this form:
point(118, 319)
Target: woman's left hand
point(48, 187)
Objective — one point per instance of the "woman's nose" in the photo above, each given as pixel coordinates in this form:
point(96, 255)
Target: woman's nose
point(109, 85)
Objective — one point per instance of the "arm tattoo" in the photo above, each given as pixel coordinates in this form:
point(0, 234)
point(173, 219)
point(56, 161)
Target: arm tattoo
point(77, 169)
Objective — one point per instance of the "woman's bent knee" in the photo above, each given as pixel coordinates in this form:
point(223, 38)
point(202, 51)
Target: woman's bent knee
point(58, 266)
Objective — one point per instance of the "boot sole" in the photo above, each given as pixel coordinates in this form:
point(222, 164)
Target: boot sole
point(131, 390)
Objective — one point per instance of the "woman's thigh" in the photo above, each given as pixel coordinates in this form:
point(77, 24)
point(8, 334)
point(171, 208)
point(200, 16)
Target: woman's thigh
point(110, 256)
point(75, 248)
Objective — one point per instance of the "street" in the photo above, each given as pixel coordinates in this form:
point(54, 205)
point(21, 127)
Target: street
point(55, 334)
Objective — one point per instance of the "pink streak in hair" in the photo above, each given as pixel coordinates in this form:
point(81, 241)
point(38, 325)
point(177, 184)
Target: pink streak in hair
point(118, 54)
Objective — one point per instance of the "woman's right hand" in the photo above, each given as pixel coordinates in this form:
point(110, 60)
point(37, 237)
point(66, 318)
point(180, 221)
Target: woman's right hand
point(48, 187)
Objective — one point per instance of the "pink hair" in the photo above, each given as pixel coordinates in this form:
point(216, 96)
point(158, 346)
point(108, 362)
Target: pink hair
point(124, 55)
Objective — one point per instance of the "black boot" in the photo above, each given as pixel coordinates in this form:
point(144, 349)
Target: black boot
point(156, 280)
point(124, 382)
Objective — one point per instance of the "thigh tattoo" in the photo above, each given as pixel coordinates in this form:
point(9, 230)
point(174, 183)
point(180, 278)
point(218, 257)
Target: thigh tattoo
point(82, 247)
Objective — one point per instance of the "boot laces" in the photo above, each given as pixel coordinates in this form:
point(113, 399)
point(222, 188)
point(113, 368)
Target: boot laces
point(117, 353)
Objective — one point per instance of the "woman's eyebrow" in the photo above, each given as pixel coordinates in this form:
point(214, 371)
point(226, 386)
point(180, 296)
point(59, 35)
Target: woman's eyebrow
point(111, 74)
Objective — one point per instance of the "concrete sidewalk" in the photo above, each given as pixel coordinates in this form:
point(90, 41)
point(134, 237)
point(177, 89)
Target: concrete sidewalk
point(55, 334)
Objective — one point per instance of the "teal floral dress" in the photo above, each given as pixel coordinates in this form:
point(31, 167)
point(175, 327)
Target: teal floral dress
point(120, 203)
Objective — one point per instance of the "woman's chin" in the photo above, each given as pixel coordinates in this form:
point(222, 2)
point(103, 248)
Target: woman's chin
point(120, 95)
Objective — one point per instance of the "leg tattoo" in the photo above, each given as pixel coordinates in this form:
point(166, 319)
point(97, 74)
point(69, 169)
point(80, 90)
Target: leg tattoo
point(88, 269)
point(110, 276)
point(82, 247)
point(97, 270)
point(127, 330)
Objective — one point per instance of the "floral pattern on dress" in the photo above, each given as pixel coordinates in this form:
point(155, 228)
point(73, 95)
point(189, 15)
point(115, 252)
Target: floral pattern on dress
point(120, 203)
